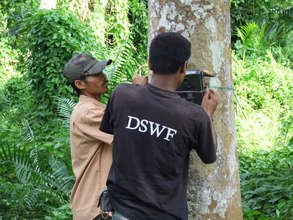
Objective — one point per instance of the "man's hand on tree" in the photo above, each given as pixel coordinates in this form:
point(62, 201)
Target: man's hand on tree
point(139, 80)
point(210, 102)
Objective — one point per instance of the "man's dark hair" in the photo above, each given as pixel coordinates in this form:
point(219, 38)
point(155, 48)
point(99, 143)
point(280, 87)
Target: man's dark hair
point(77, 90)
point(168, 52)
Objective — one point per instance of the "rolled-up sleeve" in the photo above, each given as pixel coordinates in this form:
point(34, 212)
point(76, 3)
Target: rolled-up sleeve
point(90, 123)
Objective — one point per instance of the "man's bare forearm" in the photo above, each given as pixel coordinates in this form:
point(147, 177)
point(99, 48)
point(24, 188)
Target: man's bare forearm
point(209, 104)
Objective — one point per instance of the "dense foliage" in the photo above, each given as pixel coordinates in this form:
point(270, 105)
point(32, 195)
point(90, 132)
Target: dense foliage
point(35, 102)
point(266, 179)
point(263, 76)
point(51, 37)
point(35, 45)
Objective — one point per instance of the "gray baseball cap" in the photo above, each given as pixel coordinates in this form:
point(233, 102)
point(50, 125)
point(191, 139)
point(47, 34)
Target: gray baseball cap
point(83, 65)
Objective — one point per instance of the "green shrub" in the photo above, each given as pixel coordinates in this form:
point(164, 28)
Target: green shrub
point(259, 11)
point(274, 21)
point(266, 183)
point(265, 92)
point(17, 10)
point(35, 165)
point(52, 38)
point(262, 79)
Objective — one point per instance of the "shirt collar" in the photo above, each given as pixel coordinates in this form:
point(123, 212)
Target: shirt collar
point(84, 98)
point(160, 91)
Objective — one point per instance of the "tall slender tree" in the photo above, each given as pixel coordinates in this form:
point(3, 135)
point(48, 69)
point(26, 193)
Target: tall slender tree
point(213, 190)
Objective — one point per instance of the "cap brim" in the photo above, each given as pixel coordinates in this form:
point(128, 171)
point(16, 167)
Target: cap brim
point(98, 67)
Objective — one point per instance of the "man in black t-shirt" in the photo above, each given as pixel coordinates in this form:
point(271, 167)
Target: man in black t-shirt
point(154, 130)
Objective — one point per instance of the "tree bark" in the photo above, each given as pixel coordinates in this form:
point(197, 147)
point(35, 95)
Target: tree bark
point(213, 190)
point(48, 4)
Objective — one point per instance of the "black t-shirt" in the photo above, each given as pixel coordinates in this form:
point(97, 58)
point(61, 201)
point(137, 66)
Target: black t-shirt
point(154, 131)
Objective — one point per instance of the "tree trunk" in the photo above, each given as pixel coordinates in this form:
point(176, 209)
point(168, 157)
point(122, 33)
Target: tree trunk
point(48, 4)
point(213, 190)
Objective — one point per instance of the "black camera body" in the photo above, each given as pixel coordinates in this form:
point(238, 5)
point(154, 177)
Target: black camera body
point(193, 86)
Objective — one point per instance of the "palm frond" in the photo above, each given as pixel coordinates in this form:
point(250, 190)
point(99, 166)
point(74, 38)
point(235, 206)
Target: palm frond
point(247, 32)
point(23, 165)
point(60, 173)
point(4, 102)
point(31, 199)
point(116, 61)
point(28, 133)
point(125, 65)
point(65, 107)
point(53, 181)
point(278, 23)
